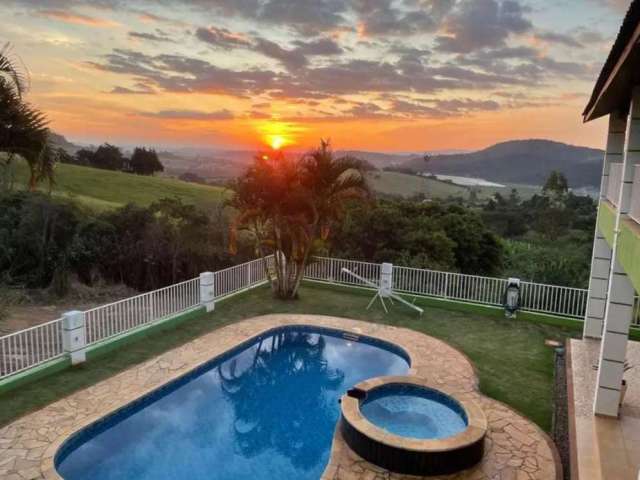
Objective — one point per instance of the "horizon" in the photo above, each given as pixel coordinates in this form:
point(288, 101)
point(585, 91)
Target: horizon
point(408, 76)
point(301, 150)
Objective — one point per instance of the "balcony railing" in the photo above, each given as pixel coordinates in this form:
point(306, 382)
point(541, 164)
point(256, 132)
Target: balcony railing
point(634, 210)
point(615, 183)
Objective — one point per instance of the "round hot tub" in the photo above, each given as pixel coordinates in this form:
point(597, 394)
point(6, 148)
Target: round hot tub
point(408, 426)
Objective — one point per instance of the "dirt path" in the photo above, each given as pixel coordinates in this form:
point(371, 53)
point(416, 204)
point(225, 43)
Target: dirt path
point(37, 311)
point(25, 316)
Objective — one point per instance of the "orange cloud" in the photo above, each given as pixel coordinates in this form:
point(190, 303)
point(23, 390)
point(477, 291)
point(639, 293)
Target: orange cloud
point(78, 19)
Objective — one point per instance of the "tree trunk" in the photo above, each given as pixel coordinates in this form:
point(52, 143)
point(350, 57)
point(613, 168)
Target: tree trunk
point(300, 272)
point(265, 265)
point(32, 178)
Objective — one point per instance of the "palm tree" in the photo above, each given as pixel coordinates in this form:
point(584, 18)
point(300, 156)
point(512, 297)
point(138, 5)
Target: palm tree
point(23, 129)
point(290, 206)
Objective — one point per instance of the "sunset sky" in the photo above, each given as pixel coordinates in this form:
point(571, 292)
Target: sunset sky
point(403, 75)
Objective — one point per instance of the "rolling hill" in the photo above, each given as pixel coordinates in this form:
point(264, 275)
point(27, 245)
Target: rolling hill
point(104, 189)
point(405, 185)
point(523, 162)
point(520, 161)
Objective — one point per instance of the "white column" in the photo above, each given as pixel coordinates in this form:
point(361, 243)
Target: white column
point(619, 307)
point(207, 291)
point(74, 336)
point(601, 255)
point(386, 279)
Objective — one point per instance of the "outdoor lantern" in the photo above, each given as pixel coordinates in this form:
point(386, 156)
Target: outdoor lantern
point(511, 300)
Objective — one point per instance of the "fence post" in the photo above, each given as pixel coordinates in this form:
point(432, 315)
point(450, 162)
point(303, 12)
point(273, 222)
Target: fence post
point(74, 336)
point(446, 285)
point(207, 291)
point(152, 306)
point(386, 279)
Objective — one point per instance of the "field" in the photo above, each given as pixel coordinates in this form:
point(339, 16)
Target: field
point(105, 189)
point(405, 185)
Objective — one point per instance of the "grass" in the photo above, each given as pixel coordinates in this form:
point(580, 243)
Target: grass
point(105, 189)
point(512, 362)
point(405, 185)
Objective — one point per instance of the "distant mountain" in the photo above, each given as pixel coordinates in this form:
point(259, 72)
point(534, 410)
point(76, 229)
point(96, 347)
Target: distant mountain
point(61, 142)
point(519, 161)
point(381, 160)
point(378, 160)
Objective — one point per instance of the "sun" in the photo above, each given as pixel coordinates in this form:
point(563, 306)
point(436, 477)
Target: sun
point(278, 135)
point(276, 141)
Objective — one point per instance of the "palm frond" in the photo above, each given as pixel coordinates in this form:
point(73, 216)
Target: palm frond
point(11, 76)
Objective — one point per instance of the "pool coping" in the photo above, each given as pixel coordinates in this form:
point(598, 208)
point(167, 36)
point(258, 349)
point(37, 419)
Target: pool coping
point(474, 432)
point(429, 356)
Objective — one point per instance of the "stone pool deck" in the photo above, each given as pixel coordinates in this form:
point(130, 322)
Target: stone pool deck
point(516, 449)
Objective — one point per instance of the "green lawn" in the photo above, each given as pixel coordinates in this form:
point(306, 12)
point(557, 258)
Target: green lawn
point(105, 189)
point(513, 364)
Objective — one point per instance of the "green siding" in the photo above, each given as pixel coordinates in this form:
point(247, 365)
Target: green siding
point(629, 251)
point(607, 221)
point(628, 241)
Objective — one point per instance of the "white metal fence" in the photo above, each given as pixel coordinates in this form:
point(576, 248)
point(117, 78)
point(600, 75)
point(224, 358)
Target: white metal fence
point(116, 318)
point(240, 277)
point(535, 297)
point(553, 299)
point(471, 288)
point(28, 348)
point(614, 183)
point(31, 347)
point(330, 270)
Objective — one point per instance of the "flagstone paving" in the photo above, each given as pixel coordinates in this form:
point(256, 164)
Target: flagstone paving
point(516, 449)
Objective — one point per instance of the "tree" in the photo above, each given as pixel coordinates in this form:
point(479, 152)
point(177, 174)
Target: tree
point(180, 229)
point(108, 157)
point(23, 129)
point(432, 235)
point(289, 207)
point(554, 217)
point(84, 157)
point(556, 188)
point(145, 162)
point(63, 156)
point(35, 236)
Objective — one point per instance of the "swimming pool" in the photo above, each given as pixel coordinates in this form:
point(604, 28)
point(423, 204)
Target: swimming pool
point(266, 409)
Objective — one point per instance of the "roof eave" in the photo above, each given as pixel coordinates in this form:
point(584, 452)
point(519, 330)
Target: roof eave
point(597, 109)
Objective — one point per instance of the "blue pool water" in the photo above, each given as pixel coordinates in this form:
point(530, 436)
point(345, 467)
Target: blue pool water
point(265, 410)
point(413, 411)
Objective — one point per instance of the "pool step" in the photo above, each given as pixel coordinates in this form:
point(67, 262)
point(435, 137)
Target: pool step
point(351, 336)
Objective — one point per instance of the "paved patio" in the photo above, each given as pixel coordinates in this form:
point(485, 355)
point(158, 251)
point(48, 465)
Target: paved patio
point(515, 447)
point(603, 448)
